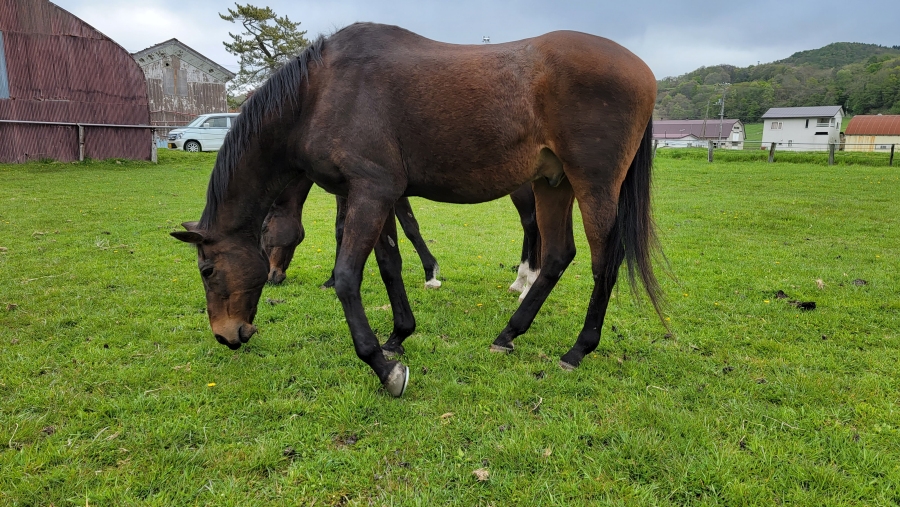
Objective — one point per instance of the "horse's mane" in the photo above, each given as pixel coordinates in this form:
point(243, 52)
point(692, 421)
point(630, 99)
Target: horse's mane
point(280, 90)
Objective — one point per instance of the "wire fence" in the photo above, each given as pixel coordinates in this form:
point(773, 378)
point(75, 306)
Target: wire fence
point(869, 154)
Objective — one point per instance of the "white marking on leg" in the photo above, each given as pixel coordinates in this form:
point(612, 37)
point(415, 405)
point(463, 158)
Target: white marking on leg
point(521, 279)
point(530, 278)
point(434, 283)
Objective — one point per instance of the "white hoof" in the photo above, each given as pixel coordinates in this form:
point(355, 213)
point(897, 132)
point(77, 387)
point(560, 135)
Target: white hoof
point(397, 380)
point(566, 366)
point(498, 349)
point(434, 283)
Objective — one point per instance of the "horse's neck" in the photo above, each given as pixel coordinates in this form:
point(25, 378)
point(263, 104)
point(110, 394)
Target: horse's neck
point(249, 199)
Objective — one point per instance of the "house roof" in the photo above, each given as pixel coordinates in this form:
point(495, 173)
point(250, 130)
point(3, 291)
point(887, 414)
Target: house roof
point(677, 129)
point(177, 48)
point(803, 112)
point(874, 125)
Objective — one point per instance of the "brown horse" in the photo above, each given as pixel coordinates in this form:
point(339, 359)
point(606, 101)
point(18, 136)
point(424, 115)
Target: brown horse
point(283, 232)
point(375, 113)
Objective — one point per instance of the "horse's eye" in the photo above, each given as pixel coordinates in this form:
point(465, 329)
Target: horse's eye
point(206, 272)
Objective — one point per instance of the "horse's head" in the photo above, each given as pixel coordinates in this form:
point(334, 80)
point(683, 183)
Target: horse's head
point(234, 271)
point(281, 235)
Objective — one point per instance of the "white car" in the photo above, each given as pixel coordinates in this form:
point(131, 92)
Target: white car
point(205, 133)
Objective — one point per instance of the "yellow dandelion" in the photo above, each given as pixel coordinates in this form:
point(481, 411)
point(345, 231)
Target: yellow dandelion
point(479, 304)
point(766, 301)
point(211, 384)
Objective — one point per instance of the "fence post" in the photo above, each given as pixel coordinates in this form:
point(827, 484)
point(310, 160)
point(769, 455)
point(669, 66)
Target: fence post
point(891, 161)
point(710, 156)
point(655, 145)
point(831, 153)
point(153, 149)
point(81, 143)
point(772, 153)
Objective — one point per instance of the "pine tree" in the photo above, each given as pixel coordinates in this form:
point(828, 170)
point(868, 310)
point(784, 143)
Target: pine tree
point(266, 44)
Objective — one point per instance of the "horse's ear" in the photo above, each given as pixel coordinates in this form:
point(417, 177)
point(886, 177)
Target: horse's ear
point(191, 226)
point(192, 237)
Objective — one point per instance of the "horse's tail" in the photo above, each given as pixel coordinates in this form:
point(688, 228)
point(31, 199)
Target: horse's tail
point(634, 230)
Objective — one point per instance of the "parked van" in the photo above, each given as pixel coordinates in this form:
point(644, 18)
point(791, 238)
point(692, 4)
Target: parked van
point(205, 133)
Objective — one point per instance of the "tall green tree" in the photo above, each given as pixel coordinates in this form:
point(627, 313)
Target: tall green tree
point(267, 42)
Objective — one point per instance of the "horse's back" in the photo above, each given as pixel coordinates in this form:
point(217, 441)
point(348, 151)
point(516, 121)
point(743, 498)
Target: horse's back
point(437, 114)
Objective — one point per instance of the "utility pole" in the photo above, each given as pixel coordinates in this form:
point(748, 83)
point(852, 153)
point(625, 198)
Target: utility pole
point(722, 110)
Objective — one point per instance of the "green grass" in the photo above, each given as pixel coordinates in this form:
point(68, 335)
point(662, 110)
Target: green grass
point(752, 135)
point(108, 364)
point(726, 157)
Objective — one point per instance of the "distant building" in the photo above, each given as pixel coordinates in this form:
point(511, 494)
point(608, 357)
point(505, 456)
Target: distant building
point(697, 133)
point(873, 132)
point(181, 84)
point(66, 90)
point(802, 128)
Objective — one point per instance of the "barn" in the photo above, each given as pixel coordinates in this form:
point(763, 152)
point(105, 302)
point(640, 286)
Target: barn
point(67, 91)
point(723, 133)
point(872, 133)
point(181, 84)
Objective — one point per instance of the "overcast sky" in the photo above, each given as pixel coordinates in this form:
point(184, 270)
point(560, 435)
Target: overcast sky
point(672, 37)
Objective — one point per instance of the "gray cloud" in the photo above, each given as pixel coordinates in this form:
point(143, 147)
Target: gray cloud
point(673, 38)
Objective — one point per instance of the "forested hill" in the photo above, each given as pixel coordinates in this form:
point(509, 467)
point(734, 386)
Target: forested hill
point(864, 78)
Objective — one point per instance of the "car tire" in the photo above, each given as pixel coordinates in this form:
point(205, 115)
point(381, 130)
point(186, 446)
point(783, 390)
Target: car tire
point(192, 146)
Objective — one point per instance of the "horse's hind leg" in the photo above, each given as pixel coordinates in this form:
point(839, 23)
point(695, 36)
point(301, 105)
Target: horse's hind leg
point(598, 209)
point(529, 267)
point(411, 229)
point(554, 217)
point(339, 217)
point(390, 264)
point(366, 218)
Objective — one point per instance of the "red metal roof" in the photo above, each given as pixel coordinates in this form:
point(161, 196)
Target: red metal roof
point(874, 125)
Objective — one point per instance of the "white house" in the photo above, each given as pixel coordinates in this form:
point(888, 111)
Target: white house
point(697, 133)
point(802, 128)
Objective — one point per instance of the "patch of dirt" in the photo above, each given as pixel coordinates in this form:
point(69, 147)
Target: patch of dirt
point(804, 305)
point(859, 282)
point(346, 440)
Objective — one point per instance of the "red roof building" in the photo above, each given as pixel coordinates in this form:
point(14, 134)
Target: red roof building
point(66, 90)
point(872, 132)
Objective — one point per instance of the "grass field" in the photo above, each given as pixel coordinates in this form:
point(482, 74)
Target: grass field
point(114, 392)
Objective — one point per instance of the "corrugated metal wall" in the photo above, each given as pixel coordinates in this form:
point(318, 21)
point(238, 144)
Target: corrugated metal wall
point(62, 70)
point(174, 104)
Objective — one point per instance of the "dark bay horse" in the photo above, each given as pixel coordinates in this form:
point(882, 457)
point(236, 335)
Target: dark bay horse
point(283, 232)
point(374, 113)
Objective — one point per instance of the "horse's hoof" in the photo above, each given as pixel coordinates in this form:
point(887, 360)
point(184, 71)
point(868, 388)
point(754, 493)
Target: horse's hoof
point(397, 380)
point(434, 283)
point(566, 366)
point(501, 349)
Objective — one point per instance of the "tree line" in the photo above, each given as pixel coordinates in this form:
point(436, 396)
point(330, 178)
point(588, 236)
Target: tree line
point(863, 78)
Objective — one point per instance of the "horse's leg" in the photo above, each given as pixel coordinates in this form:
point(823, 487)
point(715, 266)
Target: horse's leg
point(529, 267)
point(411, 230)
point(598, 210)
point(364, 222)
point(390, 264)
point(339, 218)
point(554, 217)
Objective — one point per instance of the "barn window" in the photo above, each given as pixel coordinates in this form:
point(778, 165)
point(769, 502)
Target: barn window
point(776, 125)
point(4, 80)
